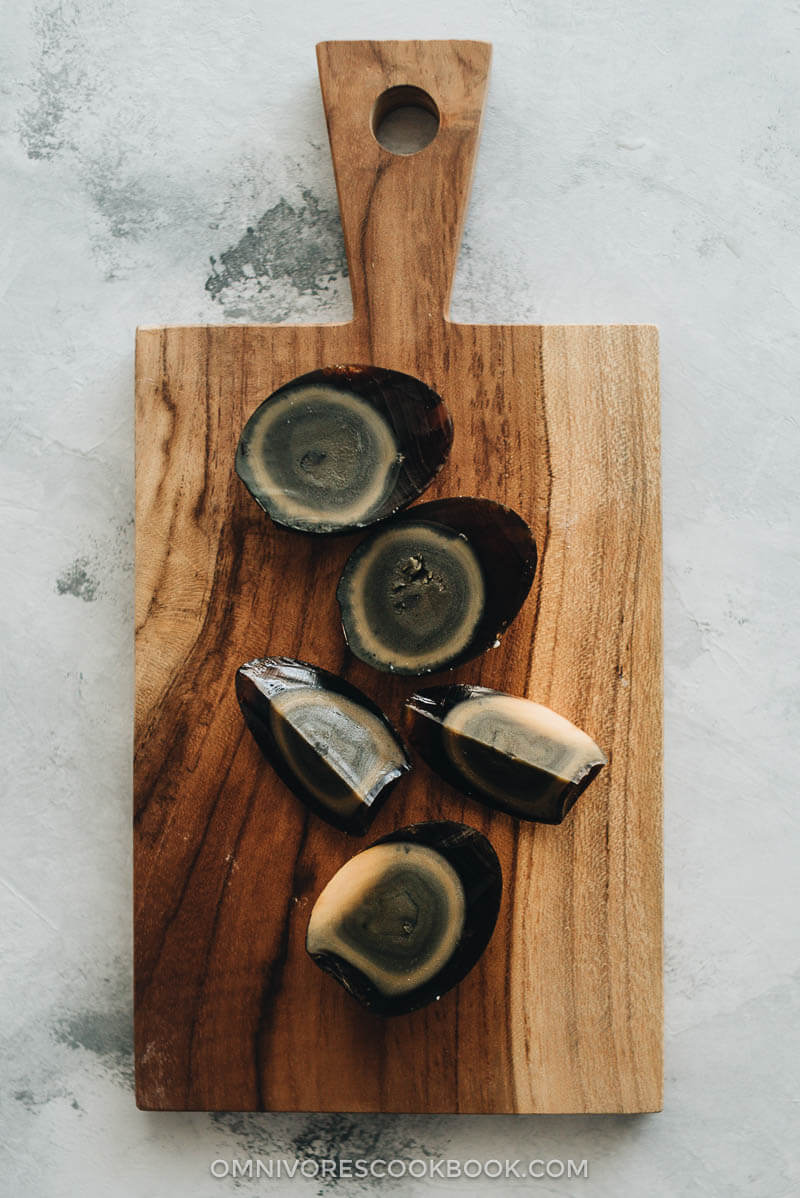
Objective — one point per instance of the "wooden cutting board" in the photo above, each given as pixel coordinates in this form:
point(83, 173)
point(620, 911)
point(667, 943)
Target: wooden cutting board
point(563, 1013)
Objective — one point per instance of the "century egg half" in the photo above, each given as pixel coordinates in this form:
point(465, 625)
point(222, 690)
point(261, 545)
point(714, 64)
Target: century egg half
point(328, 741)
point(343, 447)
point(512, 753)
point(437, 585)
point(406, 919)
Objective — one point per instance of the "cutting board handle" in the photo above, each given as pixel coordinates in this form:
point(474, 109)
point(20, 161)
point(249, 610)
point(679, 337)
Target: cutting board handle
point(402, 215)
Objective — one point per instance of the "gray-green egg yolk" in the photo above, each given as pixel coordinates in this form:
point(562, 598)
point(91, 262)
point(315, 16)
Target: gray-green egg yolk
point(320, 455)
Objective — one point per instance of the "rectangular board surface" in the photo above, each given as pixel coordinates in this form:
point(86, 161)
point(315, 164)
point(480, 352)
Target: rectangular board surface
point(563, 1011)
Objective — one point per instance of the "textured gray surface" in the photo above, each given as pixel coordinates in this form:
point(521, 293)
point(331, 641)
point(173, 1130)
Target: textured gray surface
point(169, 163)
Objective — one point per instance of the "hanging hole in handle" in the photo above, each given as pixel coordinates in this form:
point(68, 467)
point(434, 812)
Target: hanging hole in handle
point(405, 120)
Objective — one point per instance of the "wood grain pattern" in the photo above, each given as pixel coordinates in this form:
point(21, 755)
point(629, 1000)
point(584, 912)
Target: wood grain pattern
point(563, 1012)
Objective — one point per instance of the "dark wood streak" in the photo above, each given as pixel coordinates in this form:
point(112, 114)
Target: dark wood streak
point(212, 935)
point(199, 509)
point(543, 450)
point(168, 402)
point(146, 970)
point(364, 256)
point(214, 630)
point(509, 893)
point(273, 977)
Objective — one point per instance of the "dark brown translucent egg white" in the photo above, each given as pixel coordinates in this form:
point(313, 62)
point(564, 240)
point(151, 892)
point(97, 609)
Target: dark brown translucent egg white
point(405, 920)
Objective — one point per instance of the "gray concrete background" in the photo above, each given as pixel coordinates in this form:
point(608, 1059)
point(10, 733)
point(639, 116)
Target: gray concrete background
point(169, 162)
